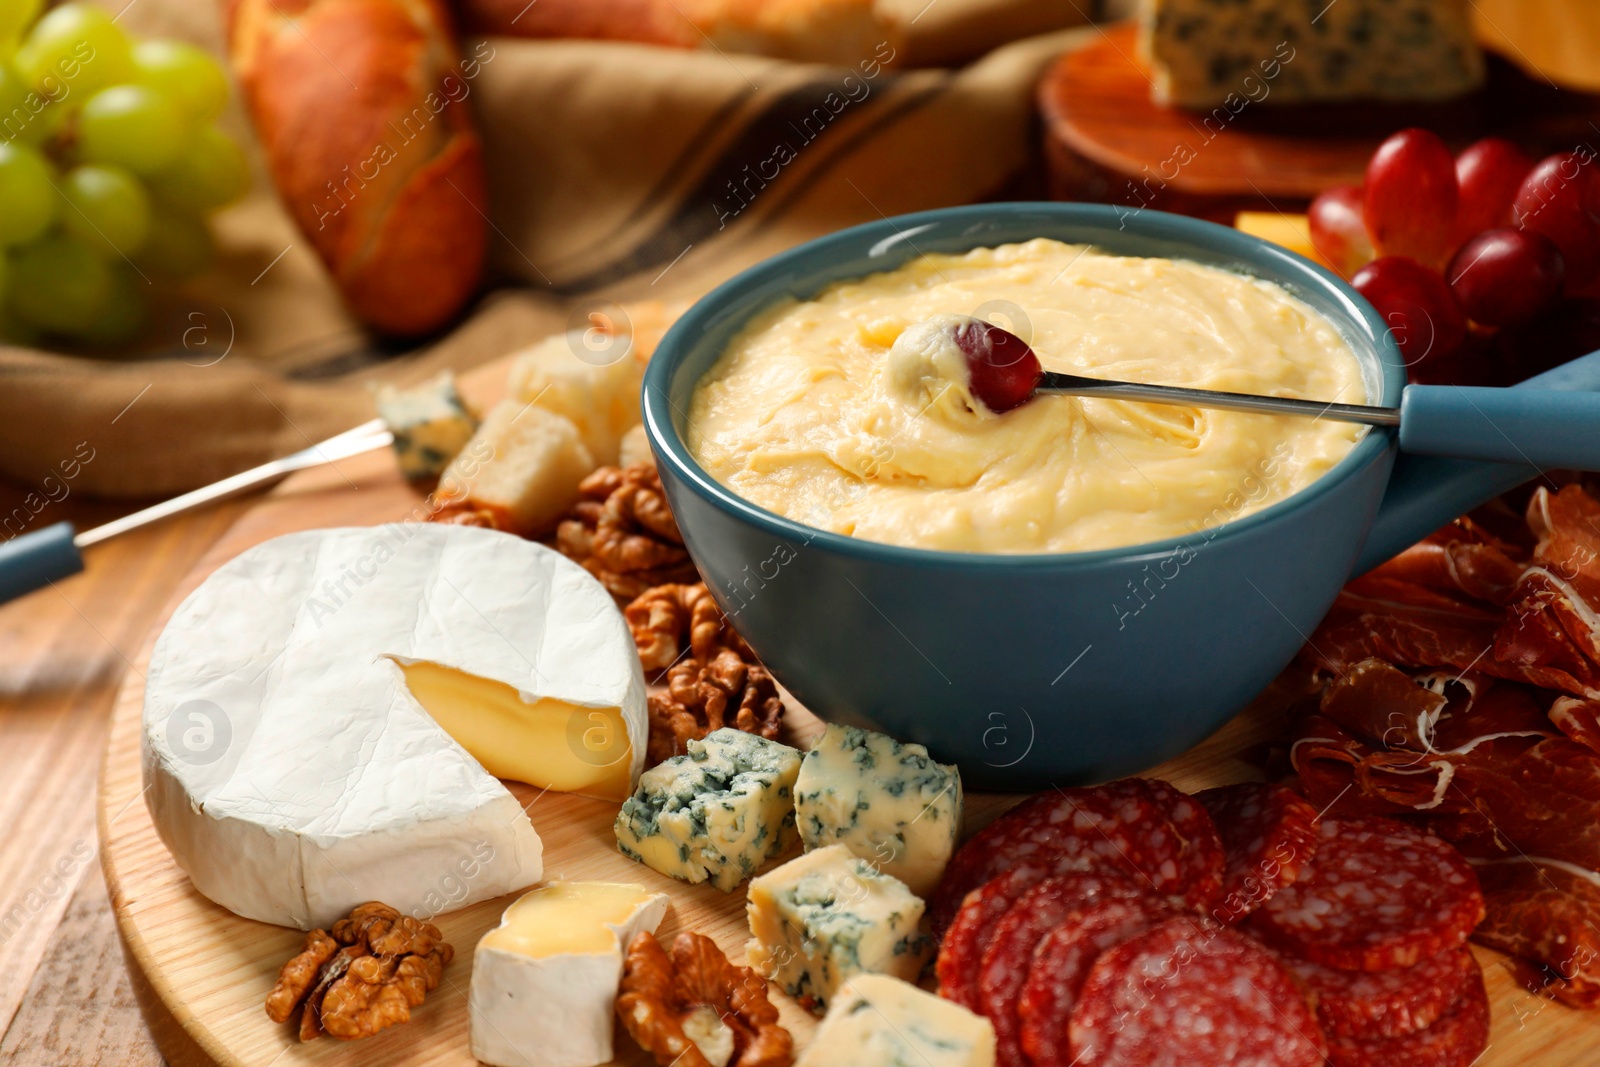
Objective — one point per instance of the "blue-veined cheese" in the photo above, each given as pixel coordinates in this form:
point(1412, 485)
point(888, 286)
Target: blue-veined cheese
point(716, 813)
point(1201, 53)
point(430, 423)
point(828, 915)
point(889, 1023)
point(888, 802)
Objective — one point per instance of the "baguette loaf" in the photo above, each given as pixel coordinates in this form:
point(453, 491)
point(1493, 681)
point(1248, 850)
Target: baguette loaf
point(361, 107)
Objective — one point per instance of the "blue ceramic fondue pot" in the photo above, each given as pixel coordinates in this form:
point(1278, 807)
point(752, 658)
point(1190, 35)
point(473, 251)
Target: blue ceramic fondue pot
point(1030, 670)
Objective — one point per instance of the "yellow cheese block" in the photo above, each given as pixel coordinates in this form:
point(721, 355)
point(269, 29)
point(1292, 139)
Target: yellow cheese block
point(1291, 231)
point(549, 743)
point(566, 918)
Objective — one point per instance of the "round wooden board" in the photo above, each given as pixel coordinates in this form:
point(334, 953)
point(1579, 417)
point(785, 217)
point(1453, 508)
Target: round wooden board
point(202, 973)
point(1107, 140)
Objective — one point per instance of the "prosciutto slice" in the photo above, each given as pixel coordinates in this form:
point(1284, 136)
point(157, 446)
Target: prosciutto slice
point(1463, 693)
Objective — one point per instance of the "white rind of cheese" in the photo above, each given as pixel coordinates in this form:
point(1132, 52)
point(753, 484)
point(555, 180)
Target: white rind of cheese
point(288, 768)
point(714, 814)
point(828, 916)
point(889, 1023)
point(555, 1010)
point(885, 800)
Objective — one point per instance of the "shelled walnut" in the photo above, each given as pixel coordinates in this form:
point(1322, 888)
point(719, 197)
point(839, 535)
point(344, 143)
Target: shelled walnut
point(364, 977)
point(623, 533)
point(693, 1008)
point(668, 620)
point(706, 695)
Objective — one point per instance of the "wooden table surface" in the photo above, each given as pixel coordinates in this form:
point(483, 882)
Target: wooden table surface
point(65, 997)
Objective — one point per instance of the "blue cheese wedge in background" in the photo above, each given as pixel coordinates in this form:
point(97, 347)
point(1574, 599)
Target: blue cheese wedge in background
point(544, 982)
point(888, 802)
point(827, 916)
point(1233, 53)
point(716, 813)
point(430, 423)
point(889, 1023)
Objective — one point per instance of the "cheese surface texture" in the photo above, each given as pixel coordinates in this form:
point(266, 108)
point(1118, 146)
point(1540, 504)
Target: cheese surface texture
point(290, 769)
point(544, 982)
point(430, 424)
point(827, 916)
point(548, 742)
point(716, 813)
point(1202, 51)
point(802, 416)
point(888, 802)
point(889, 1023)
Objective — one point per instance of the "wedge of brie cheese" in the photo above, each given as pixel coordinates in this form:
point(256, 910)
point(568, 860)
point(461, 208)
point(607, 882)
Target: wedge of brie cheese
point(544, 982)
point(319, 716)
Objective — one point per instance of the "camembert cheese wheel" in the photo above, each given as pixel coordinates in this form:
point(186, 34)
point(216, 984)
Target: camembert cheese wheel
point(325, 717)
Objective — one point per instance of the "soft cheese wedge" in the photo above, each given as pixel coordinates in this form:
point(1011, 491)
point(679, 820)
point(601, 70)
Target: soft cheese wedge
point(319, 715)
point(889, 1023)
point(544, 982)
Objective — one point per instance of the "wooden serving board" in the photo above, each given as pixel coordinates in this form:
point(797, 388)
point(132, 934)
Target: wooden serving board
point(202, 973)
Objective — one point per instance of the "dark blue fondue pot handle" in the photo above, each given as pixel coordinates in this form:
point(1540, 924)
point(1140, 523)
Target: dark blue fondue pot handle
point(1425, 492)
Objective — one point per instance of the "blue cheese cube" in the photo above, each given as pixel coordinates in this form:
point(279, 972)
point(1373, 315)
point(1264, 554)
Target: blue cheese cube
point(1228, 54)
point(430, 424)
point(888, 802)
point(715, 814)
point(889, 1023)
point(823, 918)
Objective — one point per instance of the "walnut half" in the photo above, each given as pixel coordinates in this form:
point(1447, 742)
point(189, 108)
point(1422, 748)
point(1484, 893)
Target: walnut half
point(365, 977)
point(622, 531)
point(670, 619)
point(693, 1008)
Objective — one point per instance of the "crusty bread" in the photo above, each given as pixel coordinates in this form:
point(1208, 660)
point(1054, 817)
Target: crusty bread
point(821, 31)
point(522, 468)
point(362, 109)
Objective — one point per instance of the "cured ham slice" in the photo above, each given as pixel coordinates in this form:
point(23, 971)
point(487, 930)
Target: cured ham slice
point(1469, 606)
point(1488, 773)
point(1550, 913)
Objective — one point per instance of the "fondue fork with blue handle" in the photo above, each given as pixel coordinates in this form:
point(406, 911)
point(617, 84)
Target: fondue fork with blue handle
point(1539, 428)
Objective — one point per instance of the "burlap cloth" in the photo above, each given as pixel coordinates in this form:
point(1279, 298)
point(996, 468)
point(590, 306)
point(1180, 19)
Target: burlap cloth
point(617, 173)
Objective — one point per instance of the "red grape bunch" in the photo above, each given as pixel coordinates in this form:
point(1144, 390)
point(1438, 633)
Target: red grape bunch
point(1453, 251)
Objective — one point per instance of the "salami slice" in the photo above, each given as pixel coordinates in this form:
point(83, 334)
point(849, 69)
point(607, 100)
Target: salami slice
point(1060, 964)
point(1361, 1004)
point(1269, 833)
point(1144, 827)
point(1380, 895)
point(1457, 1039)
point(1009, 954)
point(1188, 991)
point(961, 952)
point(1200, 864)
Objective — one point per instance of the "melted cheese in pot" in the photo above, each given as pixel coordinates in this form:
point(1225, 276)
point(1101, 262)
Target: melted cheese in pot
point(804, 416)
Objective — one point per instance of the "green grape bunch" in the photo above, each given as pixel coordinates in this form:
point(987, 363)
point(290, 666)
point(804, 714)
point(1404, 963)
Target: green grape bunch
point(110, 163)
